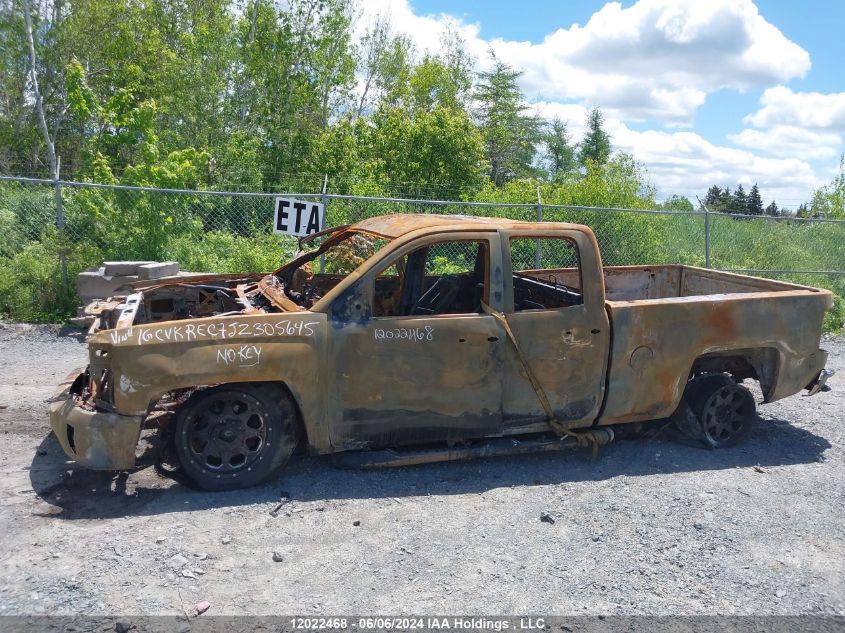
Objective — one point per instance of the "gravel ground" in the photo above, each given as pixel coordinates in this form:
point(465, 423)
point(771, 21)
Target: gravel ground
point(654, 527)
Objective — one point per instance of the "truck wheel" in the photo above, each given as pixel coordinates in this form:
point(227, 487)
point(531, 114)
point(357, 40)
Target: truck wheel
point(725, 410)
point(234, 436)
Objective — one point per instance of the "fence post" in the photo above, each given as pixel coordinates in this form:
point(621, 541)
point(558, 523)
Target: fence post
point(706, 233)
point(537, 246)
point(325, 200)
point(60, 224)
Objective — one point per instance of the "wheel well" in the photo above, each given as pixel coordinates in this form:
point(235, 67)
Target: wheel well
point(760, 364)
point(281, 388)
point(273, 388)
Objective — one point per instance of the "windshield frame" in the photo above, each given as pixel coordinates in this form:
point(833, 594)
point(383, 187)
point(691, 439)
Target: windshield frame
point(284, 272)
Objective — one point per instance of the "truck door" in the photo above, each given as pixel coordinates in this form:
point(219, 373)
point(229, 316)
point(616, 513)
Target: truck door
point(554, 304)
point(415, 359)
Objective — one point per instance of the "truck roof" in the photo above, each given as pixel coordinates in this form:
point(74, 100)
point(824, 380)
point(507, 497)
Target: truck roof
point(396, 225)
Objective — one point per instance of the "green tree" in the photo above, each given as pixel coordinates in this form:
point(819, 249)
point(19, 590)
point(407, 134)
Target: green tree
point(720, 200)
point(560, 154)
point(596, 144)
point(677, 203)
point(427, 153)
point(740, 200)
point(197, 39)
point(459, 64)
point(340, 153)
point(772, 209)
point(622, 183)
point(384, 62)
point(295, 63)
point(712, 198)
point(510, 135)
point(755, 202)
point(443, 79)
point(20, 139)
point(726, 201)
point(829, 200)
point(49, 113)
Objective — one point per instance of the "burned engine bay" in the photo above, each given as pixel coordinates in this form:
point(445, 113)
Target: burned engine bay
point(291, 288)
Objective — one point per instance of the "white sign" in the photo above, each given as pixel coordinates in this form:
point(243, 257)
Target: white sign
point(297, 217)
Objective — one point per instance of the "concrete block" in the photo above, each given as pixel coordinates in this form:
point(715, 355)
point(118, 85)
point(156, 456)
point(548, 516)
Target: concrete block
point(113, 269)
point(93, 285)
point(158, 270)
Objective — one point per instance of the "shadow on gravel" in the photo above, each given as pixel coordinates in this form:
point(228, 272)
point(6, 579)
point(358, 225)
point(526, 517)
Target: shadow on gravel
point(49, 331)
point(77, 334)
point(77, 493)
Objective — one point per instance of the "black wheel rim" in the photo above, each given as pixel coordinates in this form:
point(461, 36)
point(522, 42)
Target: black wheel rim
point(725, 413)
point(227, 432)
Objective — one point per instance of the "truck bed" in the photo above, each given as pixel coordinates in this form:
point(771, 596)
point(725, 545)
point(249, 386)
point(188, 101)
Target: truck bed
point(638, 283)
point(667, 321)
point(634, 283)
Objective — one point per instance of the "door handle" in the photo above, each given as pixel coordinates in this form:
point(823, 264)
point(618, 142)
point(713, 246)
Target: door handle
point(492, 339)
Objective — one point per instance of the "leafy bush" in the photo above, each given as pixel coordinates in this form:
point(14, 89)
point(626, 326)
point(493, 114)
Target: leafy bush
point(11, 231)
point(834, 320)
point(26, 210)
point(219, 251)
point(32, 287)
point(130, 224)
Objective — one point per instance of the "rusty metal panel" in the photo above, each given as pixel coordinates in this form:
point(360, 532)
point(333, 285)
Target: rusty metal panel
point(397, 225)
point(149, 360)
point(95, 439)
point(655, 343)
point(409, 379)
point(393, 226)
point(567, 348)
point(627, 283)
point(403, 380)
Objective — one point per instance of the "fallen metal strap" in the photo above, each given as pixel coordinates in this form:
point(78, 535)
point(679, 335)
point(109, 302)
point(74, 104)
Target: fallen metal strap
point(538, 388)
point(584, 439)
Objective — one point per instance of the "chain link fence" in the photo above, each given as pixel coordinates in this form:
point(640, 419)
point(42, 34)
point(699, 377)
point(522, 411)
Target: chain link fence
point(50, 231)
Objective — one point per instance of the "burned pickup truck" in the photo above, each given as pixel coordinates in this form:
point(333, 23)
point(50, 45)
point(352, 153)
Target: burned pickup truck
point(412, 338)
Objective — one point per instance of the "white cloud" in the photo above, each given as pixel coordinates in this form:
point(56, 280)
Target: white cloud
point(688, 164)
point(790, 141)
point(806, 125)
point(655, 59)
point(658, 60)
point(424, 30)
point(782, 106)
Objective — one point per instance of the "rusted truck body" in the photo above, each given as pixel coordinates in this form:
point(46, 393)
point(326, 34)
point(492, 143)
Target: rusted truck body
point(431, 330)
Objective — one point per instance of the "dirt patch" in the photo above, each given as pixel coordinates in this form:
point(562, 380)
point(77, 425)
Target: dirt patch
point(655, 527)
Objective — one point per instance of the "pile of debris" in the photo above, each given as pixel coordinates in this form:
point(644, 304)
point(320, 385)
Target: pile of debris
point(114, 280)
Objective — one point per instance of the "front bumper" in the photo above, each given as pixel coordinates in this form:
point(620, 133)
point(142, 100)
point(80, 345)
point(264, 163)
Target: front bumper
point(95, 439)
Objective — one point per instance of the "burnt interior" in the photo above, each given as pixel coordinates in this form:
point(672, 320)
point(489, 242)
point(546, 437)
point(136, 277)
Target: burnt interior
point(440, 278)
point(538, 291)
point(417, 288)
point(293, 287)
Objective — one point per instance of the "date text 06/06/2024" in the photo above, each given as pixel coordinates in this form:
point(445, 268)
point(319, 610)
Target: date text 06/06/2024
point(419, 623)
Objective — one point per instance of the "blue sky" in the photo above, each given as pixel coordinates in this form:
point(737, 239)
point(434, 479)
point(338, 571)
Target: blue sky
point(700, 91)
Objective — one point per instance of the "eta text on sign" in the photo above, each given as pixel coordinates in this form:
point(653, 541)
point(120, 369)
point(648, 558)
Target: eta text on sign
point(297, 217)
